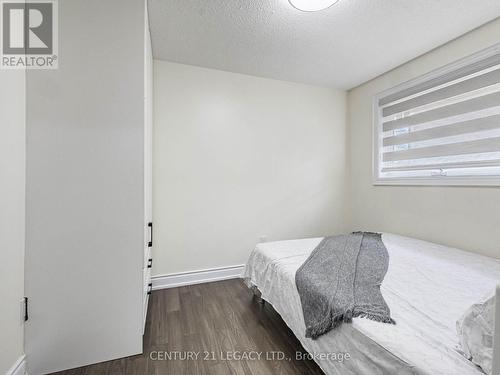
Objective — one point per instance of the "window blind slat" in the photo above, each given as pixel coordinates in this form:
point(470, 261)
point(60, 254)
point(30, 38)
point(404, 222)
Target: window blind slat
point(476, 125)
point(462, 148)
point(451, 76)
point(440, 160)
point(471, 105)
point(437, 166)
point(471, 84)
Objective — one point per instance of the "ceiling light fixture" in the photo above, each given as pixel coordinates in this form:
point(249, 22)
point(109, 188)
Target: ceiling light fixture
point(312, 5)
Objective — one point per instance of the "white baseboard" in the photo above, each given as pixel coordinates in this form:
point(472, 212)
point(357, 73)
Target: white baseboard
point(196, 277)
point(19, 368)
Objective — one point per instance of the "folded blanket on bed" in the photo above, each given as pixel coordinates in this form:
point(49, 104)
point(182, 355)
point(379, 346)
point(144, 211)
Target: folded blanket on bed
point(341, 280)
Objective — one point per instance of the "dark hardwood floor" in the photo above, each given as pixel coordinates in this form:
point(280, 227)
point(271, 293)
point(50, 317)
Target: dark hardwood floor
point(215, 320)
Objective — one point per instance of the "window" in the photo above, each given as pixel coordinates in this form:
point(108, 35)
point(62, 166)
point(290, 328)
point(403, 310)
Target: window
point(442, 128)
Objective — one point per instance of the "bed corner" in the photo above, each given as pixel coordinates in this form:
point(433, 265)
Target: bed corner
point(496, 337)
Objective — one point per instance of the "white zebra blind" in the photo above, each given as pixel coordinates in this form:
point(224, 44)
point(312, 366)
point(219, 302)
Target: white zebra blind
point(442, 127)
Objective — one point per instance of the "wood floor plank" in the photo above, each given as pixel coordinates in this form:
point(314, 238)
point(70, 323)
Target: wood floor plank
point(213, 320)
point(172, 302)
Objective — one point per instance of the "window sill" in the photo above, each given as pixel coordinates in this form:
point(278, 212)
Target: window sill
point(493, 181)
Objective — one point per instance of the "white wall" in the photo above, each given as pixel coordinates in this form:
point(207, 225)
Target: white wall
point(237, 157)
point(12, 198)
point(464, 217)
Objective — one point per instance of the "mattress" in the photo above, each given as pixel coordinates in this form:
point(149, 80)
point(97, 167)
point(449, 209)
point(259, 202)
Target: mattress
point(427, 287)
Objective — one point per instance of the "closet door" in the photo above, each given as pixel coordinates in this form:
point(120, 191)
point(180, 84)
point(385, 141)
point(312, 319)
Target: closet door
point(148, 166)
point(85, 190)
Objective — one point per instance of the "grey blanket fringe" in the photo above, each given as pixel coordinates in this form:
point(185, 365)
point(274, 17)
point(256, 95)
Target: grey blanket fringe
point(341, 280)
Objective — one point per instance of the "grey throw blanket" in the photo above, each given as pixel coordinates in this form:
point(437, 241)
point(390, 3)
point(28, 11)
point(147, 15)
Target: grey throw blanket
point(341, 280)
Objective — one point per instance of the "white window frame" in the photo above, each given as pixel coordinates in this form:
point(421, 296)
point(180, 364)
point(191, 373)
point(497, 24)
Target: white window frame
point(377, 132)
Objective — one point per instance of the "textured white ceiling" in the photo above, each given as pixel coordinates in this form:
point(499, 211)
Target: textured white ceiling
point(343, 46)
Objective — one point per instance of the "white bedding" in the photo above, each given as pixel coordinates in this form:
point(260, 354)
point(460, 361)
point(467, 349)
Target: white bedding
point(428, 287)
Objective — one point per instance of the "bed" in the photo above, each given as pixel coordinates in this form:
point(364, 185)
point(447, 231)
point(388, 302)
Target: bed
point(426, 302)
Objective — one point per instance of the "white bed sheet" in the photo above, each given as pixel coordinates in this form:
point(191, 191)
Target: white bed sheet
point(427, 287)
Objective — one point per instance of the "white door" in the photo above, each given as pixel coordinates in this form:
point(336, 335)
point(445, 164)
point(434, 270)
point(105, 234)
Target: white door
point(85, 190)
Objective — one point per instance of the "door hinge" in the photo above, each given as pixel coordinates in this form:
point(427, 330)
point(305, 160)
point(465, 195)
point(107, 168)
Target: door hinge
point(25, 309)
